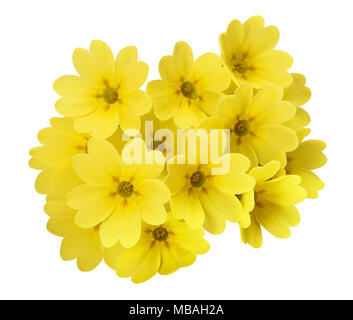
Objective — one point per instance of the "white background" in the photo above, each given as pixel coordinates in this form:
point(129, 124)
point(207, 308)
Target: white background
point(37, 41)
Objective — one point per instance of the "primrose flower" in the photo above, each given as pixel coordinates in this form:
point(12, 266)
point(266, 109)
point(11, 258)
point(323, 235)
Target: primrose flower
point(106, 93)
point(164, 249)
point(60, 143)
point(247, 50)
point(256, 123)
point(202, 198)
point(189, 91)
point(298, 94)
point(81, 244)
point(272, 202)
point(117, 195)
point(307, 157)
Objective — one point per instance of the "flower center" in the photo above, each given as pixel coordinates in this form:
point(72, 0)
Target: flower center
point(240, 66)
point(125, 189)
point(241, 128)
point(110, 95)
point(160, 234)
point(188, 90)
point(197, 179)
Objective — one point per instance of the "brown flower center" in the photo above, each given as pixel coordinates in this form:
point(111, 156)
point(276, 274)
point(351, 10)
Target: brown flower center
point(188, 90)
point(125, 189)
point(110, 95)
point(160, 234)
point(241, 128)
point(197, 179)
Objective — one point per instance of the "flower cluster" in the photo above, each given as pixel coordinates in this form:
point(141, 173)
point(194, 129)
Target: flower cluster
point(118, 185)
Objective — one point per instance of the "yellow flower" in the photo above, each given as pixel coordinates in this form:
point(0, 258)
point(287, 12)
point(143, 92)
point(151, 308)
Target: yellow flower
point(106, 92)
point(256, 123)
point(247, 50)
point(60, 143)
point(117, 195)
point(270, 204)
point(298, 94)
point(164, 249)
point(162, 140)
point(81, 244)
point(189, 91)
point(202, 198)
point(307, 157)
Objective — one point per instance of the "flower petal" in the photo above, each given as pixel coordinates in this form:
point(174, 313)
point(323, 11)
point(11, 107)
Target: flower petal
point(124, 224)
point(186, 205)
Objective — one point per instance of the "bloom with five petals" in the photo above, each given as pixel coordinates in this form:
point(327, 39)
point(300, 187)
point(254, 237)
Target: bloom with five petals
point(164, 249)
point(78, 243)
point(189, 90)
point(117, 195)
point(256, 123)
point(106, 93)
point(307, 157)
point(204, 199)
point(60, 143)
point(270, 204)
point(247, 50)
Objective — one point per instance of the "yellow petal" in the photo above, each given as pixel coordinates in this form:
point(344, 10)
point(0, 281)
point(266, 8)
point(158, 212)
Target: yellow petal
point(272, 139)
point(219, 206)
point(246, 149)
point(128, 119)
point(189, 238)
point(186, 205)
point(42, 183)
point(188, 116)
point(111, 161)
point(210, 73)
point(130, 259)
point(236, 181)
point(102, 122)
point(252, 235)
point(90, 170)
point(267, 40)
point(183, 58)
point(168, 69)
point(80, 195)
point(148, 267)
point(124, 224)
point(112, 254)
point(308, 155)
point(300, 119)
point(267, 107)
point(272, 222)
point(253, 28)
point(73, 87)
point(73, 106)
point(266, 172)
point(138, 102)
point(311, 182)
point(169, 264)
point(103, 59)
point(176, 178)
point(230, 41)
point(84, 65)
point(284, 191)
point(297, 93)
point(71, 244)
point(90, 253)
point(165, 100)
point(233, 106)
point(130, 73)
point(94, 212)
point(288, 215)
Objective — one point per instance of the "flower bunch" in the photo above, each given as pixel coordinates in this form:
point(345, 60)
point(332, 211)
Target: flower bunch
point(136, 178)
